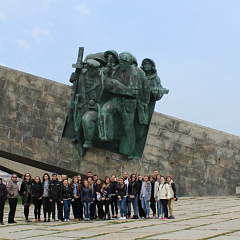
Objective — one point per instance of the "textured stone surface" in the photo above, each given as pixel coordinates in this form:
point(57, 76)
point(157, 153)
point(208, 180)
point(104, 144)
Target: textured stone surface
point(195, 218)
point(33, 111)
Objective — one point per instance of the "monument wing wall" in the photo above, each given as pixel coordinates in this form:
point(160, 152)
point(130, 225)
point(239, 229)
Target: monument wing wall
point(33, 111)
point(201, 160)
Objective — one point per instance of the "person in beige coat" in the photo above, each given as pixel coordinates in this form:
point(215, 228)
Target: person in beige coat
point(172, 197)
point(163, 195)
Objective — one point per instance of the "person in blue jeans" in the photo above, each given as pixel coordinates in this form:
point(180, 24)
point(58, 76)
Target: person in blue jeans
point(133, 194)
point(66, 199)
point(86, 199)
point(145, 195)
point(121, 191)
point(156, 189)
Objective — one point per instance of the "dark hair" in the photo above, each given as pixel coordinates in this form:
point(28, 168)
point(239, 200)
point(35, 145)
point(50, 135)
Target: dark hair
point(89, 177)
point(113, 175)
point(151, 176)
point(24, 177)
point(133, 174)
point(45, 174)
point(39, 179)
point(158, 175)
point(168, 177)
point(123, 182)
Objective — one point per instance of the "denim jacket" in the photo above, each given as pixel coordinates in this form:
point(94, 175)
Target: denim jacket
point(148, 189)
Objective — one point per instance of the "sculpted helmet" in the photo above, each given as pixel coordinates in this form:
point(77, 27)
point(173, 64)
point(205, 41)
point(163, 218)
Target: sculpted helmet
point(152, 62)
point(129, 56)
point(89, 56)
point(100, 58)
point(93, 63)
point(113, 52)
point(134, 61)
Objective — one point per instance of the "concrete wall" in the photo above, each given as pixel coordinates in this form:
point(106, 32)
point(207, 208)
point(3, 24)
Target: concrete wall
point(33, 110)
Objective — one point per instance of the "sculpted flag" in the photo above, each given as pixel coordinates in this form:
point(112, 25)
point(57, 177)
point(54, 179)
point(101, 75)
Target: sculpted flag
point(112, 102)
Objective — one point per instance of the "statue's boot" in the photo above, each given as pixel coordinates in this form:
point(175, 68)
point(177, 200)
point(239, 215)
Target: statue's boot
point(88, 144)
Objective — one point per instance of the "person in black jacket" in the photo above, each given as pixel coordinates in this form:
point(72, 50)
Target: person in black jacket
point(142, 213)
point(54, 196)
point(92, 186)
point(152, 199)
point(99, 199)
point(37, 200)
point(45, 197)
point(133, 194)
point(66, 199)
point(114, 205)
point(121, 191)
point(3, 198)
point(106, 196)
point(26, 193)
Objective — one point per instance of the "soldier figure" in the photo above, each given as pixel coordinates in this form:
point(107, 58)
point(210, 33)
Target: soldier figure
point(126, 86)
point(156, 89)
point(89, 93)
point(111, 57)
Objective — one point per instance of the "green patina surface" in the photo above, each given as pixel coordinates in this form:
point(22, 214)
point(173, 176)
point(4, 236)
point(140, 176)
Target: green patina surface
point(112, 102)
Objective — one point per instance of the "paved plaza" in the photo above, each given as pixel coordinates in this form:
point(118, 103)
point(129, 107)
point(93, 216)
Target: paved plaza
point(215, 218)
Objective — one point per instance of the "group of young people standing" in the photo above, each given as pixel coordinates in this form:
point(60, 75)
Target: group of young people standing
point(91, 198)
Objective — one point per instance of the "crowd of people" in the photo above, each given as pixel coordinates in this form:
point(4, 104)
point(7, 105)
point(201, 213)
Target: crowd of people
point(91, 198)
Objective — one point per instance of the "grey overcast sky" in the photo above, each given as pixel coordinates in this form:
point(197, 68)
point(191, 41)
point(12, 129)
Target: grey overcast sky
point(195, 44)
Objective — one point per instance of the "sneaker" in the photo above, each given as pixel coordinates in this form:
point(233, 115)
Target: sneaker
point(164, 218)
point(171, 217)
point(121, 218)
point(76, 220)
point(68, 220)
point(154, 217)
point(36, 220)
point(27, 220)
point(39, 220)
point(65, 220)
point(124, 218)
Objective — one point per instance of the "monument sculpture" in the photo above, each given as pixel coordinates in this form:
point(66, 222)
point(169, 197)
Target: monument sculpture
point(112, 102)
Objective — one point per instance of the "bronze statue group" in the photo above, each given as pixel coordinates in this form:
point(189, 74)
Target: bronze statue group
point(112, 101)
point(91, 198)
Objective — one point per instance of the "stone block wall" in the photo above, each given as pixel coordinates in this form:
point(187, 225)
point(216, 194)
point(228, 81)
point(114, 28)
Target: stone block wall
point(33, 111)
point(202, 161)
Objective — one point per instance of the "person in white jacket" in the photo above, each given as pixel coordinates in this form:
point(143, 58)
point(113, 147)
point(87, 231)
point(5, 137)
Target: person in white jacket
point(163, 195)
point(159, 204)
